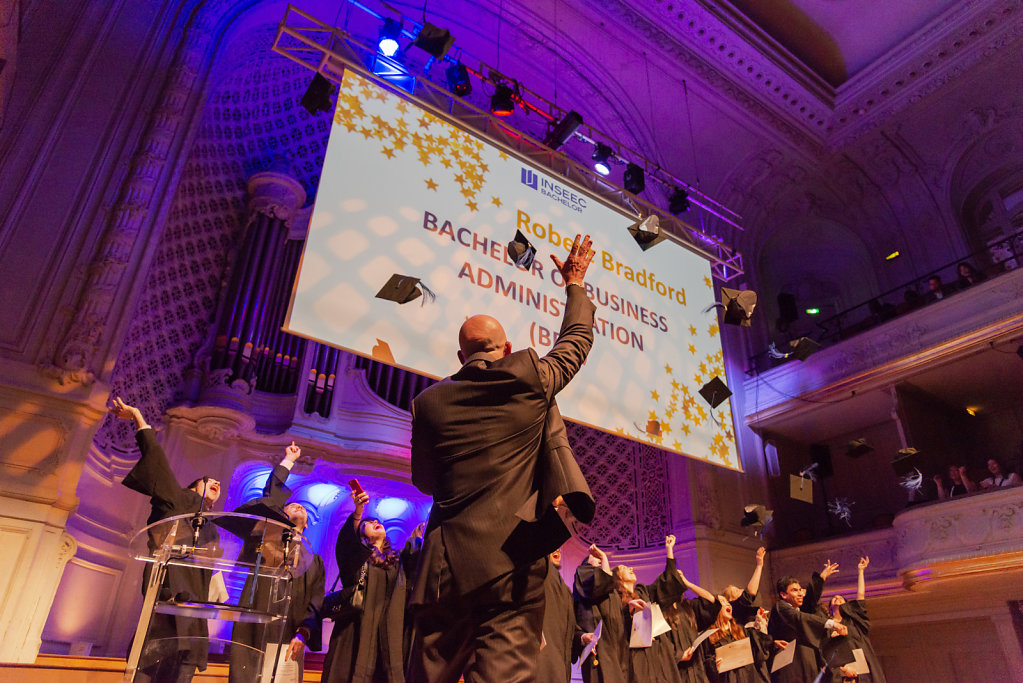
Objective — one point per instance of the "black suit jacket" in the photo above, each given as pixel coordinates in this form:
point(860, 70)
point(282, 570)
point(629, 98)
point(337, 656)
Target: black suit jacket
point(489, 445)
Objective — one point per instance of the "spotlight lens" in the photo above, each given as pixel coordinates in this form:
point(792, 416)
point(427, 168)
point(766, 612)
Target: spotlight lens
point(388, 46)
point(601, 167)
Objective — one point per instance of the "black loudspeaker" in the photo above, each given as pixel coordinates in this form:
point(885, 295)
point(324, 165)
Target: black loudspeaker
point(821, 454)
point(787, 307)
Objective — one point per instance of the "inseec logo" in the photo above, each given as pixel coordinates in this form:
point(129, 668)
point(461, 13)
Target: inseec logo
point(552, 190)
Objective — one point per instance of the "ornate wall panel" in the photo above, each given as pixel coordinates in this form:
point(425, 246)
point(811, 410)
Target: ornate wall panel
point(629, 481)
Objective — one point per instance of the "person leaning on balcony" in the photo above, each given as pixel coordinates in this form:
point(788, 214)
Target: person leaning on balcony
point(999, 477)
point(961, 483)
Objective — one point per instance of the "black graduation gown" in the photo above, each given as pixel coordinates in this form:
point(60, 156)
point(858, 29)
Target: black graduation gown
point(854, 617)
point(597, 601)
point(788, 623)
point(560, 631)
point(757, 672)
point(306, 596)
point(376, 635)
point(152, 476)
point(657, 662)
point(684, 630)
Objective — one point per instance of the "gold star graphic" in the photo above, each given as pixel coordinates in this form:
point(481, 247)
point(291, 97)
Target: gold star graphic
point(387, 152)
point(367, 133)
point(653, 415)
point(713, 329)
point(502, 155)
point(430, 184)
point(692, 349)
point(692, 329)
point(472, 206)
point(674, 385)
point(685, 429)
point(677, 445)
point(654, 395)
point(706, 280)
point(495, 201)
point(667, 369)
point(620, 431)
point(445, 162)
point(350, 125)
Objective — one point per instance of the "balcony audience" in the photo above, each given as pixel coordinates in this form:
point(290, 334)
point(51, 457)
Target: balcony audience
point(968, 275)
point(999, 477)
point(961, 483)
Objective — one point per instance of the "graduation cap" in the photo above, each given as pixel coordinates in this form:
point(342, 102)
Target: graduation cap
point(842, 508)
point(405, 288)
point(756, 516)
point(521, 250)
point(715, 392)
point(739, 305)
point(803, 347)
point(647, 231)
point(244, 527)
point(434, 40)
point(906, 461)
point(858, 447)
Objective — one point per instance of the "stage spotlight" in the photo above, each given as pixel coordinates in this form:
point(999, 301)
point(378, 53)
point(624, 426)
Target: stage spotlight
point(602, 158)
point(564, 130)
point(317, 95)
point(633, 180)
point(458, 80)
point(388, 40)
point(678, 202)
point(433, 40)
point(502, 102)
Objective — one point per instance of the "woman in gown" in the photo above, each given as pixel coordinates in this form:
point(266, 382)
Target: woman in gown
point(853, 614)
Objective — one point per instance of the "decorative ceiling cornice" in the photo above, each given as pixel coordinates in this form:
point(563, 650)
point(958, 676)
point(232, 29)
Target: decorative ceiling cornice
point(936, 55)
point(737, 58)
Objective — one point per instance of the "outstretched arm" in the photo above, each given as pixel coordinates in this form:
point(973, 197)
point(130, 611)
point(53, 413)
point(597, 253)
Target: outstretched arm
point(861, 585)
point(754, 581)
point(970, 485)
point(559, 366)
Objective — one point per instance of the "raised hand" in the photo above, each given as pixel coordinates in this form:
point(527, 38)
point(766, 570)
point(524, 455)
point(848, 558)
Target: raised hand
point(295, 648)
point(761, 552)
point(636, 605)
point(840, 630)
point(669, 541)
point(864, 561)
point(829, 569)
point(360, 498)
point(123, 411)
point(292, 453)
point(573, 268)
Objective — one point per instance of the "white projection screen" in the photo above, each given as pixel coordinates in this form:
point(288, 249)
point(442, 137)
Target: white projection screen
point(406, 192)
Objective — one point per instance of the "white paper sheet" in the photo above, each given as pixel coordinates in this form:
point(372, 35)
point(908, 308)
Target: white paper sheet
point(859, 665)
point(734, 655)
point(784, 656)
point(702, 637)
point(660, 623)
point(642, 628)
point(593, 643)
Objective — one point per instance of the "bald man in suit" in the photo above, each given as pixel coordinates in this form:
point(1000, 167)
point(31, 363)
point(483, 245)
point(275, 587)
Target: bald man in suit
point(489, 445)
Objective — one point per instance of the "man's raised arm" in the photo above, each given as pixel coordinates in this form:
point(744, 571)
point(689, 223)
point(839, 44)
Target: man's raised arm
point(576, 336)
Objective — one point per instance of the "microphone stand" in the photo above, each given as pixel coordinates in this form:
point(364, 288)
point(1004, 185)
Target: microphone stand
point(199, 520)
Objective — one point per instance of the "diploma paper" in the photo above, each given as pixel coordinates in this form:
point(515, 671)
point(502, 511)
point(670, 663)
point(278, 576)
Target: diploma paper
point(593, 643)
point(642, 628)
point(702, 637)
point(660, 624)
point(734, 655)
point(801, 488)
point(859, 665)
point(784, 656)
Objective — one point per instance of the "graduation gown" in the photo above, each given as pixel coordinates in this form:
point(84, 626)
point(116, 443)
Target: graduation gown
point(374, 639)
point(757, 672)
point(854, 617)
point(597, 601)
point(684, 630)
point(657, 662)
point(788, 623)
point(560, 631)
point(152, 476)
point(306, 596)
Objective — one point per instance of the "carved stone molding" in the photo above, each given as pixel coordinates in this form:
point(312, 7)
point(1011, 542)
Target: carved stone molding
point(277, 195)
point(215, 423)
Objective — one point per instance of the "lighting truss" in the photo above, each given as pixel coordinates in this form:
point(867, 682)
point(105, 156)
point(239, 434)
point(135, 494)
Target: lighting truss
point(329, 50)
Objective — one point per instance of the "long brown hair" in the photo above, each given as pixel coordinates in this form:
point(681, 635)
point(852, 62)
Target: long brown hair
point(726, 628)
point(385, 557)
point(626, 594)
